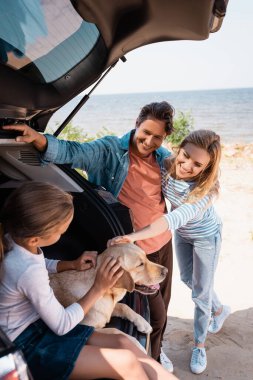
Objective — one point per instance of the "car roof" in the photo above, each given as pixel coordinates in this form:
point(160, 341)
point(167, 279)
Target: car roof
point(50, 51)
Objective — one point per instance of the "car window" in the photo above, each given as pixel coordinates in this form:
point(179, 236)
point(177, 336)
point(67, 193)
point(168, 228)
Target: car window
point(45, 40)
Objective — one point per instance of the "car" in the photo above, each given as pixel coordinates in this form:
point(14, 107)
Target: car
point(50, 52)
point(12, 363)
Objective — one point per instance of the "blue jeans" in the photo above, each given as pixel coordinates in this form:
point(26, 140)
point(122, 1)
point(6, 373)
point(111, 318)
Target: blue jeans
point(197, 260)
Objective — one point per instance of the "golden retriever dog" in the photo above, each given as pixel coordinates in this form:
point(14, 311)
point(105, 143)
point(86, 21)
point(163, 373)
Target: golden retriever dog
point(139, 274)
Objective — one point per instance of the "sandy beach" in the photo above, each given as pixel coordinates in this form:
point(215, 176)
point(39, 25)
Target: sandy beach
point(230, 352)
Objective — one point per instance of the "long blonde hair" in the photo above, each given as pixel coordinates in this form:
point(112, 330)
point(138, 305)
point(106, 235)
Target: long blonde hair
point(207, 181)
point(33, 209)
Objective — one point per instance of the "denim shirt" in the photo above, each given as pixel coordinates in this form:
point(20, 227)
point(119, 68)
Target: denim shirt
point(106, 160)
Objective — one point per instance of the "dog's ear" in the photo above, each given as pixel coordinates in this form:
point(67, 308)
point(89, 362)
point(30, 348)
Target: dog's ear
point(125, 282)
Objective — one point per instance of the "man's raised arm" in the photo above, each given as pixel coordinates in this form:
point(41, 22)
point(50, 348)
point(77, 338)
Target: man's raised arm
point(29, 135)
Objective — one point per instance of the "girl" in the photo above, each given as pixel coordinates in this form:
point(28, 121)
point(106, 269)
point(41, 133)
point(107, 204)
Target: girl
point(54, 344)
point(191, 184)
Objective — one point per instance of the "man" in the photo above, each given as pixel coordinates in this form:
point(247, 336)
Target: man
point(128, 167)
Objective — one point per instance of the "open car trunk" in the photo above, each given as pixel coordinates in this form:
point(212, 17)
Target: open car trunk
point(97, 215)
point(54, 50)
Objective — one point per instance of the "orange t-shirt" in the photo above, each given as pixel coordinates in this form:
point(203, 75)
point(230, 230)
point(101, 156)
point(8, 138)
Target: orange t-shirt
point(141, 192)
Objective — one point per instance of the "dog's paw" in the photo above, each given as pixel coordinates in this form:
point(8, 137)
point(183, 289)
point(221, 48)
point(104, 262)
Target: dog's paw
point(143, 326)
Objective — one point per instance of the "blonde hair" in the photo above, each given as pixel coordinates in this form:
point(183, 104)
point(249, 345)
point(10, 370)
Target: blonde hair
point(207, 181)
point(33, 209)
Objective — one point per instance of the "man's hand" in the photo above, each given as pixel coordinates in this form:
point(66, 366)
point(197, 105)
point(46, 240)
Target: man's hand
point(29, 135)
point(87, 260)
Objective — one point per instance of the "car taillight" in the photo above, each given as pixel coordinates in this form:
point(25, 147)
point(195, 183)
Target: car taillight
point(13, 375)
point(7, 367)
point(13, 367)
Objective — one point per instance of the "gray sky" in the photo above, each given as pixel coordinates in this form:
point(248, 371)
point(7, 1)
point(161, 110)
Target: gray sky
point(225, 60)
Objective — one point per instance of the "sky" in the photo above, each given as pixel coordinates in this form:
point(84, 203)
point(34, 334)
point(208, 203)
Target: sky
point(224, 60)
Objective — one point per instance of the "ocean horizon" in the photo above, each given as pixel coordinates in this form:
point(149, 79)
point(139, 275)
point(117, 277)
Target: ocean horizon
point(229, 112)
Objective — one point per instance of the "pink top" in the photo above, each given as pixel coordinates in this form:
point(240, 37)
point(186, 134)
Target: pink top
point(145, 198)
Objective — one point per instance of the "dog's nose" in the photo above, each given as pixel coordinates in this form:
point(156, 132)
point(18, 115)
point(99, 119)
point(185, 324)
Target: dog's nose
point(164, 271)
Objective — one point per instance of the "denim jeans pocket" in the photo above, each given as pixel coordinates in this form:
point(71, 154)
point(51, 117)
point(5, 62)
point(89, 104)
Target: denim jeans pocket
point(29, 337)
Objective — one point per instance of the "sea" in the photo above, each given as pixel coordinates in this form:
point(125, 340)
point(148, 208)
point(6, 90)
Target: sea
point(228, 112)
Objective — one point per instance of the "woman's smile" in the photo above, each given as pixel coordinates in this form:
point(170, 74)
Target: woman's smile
point(191, 161)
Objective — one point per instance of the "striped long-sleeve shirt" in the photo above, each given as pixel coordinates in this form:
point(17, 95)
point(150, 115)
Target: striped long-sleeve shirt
point(191, 220)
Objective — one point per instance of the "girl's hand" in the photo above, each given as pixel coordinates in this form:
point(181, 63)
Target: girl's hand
point(107, 275)
point(120, 240)
point(87, 260)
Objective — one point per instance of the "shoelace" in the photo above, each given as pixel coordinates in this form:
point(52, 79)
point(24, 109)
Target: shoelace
point(197, 356)
point(164, 359)
point(166, 362)
point(214, 324)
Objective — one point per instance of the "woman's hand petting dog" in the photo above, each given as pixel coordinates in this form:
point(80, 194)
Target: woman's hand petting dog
point(120, 240)
point(107, 275)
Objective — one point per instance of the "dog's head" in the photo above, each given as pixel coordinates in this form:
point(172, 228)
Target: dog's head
point(139, 272)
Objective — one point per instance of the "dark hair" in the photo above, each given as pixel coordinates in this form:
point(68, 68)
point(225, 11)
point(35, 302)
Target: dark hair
point(33, 209)
point(160, 111)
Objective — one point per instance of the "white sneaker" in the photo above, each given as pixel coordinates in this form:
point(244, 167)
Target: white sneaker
point(218, 320)
point(198, 360)
point(166, 362)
